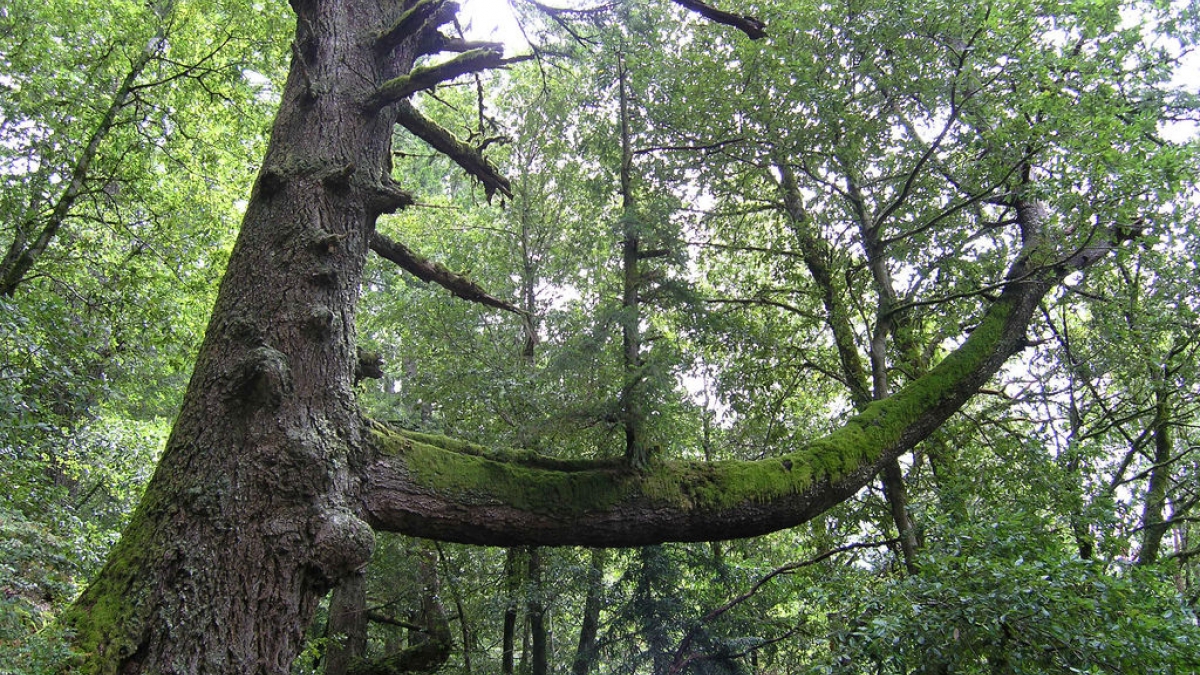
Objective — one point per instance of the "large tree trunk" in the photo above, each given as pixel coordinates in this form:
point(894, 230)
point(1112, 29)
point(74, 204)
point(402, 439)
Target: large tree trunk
point(247, 522)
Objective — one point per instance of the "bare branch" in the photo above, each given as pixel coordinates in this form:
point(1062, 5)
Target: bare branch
point(437, 41)
point(428, 77)
point(710, 147)
point(752, 27)
point(427, 271)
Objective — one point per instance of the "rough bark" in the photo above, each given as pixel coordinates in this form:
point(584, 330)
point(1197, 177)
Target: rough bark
point(250, 516)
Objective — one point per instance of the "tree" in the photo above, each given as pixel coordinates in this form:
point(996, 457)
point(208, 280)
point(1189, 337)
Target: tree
point(116, 219)
point(272, 482)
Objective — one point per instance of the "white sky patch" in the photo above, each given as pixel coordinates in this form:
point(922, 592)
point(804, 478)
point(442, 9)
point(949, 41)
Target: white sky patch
point(491, 20)
point(1187, 77)
point(496, 21)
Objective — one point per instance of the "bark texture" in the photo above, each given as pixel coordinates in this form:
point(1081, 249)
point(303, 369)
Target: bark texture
point(250, 518)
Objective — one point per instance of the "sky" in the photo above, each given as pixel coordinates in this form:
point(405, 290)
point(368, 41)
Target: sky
point(493, 20)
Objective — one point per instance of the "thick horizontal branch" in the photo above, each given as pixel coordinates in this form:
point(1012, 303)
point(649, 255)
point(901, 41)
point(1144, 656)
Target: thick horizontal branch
point(429, 271)
point(428, 77)
point(441, 489)
point(752, 27)
point(448, 490)
point(441, 139)
point(436, 41)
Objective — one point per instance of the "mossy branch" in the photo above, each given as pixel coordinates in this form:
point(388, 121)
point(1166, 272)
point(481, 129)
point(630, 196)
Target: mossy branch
point(428, 77)
point(425, 487)
point(442, 489)
point(441, 139)
point(426, 14)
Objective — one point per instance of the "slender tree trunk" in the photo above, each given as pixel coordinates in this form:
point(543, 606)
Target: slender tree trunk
point(1154, 523)
point(347, 626)
point(631, 394)
point(22, 253)
point(589, 625)
point(539, 655)
point(652, 614)
point(512, 588)
point(464, 627)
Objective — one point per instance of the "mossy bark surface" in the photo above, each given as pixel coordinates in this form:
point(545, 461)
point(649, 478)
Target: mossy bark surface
point(430, 486)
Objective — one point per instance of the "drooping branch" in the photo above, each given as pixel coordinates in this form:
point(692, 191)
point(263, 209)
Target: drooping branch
point(752, 27)
point(428, 77)
point(429, 271)
point(439, 488)
point(441, 139)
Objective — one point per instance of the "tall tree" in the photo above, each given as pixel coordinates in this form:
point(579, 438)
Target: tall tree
point(272, 482)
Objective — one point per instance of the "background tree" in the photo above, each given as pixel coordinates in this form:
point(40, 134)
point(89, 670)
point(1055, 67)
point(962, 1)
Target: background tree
point(128, 134)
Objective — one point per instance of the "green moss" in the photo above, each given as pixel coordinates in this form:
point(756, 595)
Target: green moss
point(108, 619)
point(521, 479)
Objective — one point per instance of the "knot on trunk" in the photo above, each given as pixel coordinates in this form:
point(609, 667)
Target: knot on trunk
point(343, 543)
point(263, 377)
